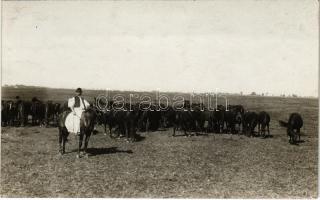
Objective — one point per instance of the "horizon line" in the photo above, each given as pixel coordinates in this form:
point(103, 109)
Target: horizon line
point(265, 94)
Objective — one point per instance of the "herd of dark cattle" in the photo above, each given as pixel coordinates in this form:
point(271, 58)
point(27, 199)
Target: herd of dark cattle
point(192, 119)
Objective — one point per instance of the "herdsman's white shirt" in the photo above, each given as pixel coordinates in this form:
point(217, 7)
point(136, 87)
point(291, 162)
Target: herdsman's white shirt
point(73, 121)
point(72, 101)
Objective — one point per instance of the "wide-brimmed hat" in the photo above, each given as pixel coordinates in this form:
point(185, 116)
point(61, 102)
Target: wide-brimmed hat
point(79, 90)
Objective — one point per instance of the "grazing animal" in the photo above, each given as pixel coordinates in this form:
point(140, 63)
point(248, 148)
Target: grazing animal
point(144, 123)
point(218, 120)
point(250, 120)
point(52, 111)
point(198, 117)
point(23, 111)
point(167, 117)
point(38, 111)
point(123, 120)
point(87, 122)
point(49, 113)
point(154, 116)
point(232, 119)
point(208, 118)
point(4, 114)
point(150, 118)
point(293, 126)
point(263, 123)
point(9, 113)
point(132, 118)
point(118, 119)
point(183, 121)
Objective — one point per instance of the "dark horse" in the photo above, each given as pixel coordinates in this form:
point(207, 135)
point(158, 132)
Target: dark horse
point(293, 127)
point(23, 111)
point(263, 122)
point(184, 121)
point(87, 122)
point(124, 120)
point(250, 121)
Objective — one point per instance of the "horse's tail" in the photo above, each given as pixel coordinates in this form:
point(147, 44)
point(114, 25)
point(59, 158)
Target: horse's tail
point(283, 124)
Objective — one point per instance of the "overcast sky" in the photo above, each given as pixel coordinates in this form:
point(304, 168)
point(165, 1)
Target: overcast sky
point(261, 46)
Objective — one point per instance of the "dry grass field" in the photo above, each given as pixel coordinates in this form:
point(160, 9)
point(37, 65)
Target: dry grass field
point(213, 166)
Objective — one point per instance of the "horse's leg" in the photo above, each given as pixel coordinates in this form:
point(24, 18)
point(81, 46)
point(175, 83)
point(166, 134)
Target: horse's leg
point(46, 122)
point(183, 128)
point(252, 131)
point(80, 143)
point(86, 141)
point(295, 136)
point(147, 125)
point(105, 127)
point(227, 128)
point(221, 127)
point(188, 127)
point(268, 129)
point(60, 140)
point(298, 132)
point(21, 121)
point(290, 136)
point(242, 129)
point(132, 132)
point(174, 130)
point(197, 128)
point(110, 128)
point(33, 120)
point(65, 134)
point(126, 130)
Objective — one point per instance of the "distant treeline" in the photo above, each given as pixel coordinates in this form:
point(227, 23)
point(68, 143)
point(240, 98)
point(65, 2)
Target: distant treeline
point(62, 95)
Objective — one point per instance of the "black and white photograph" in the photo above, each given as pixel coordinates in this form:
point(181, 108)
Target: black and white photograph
point(159, 99)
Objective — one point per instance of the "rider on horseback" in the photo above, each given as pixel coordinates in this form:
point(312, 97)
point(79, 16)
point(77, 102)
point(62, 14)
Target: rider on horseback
point(77, 105)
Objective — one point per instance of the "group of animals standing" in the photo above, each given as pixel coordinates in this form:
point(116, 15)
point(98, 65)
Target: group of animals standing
point(17, 113)
point(189, 119)
point(193, 119)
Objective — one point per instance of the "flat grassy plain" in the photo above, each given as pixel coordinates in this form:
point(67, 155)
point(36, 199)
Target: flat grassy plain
point(159, 166)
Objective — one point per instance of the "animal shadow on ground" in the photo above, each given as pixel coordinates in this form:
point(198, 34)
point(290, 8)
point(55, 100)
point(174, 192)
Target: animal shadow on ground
point(139, 138)
point(267, 136)
point(101, 151)
point(191, 134)
point(297, 142)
